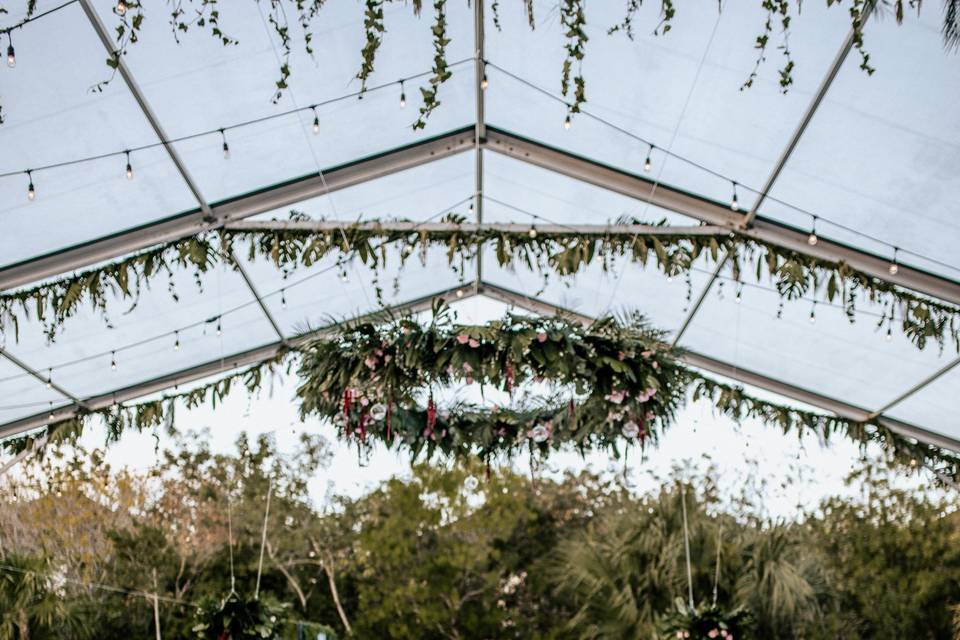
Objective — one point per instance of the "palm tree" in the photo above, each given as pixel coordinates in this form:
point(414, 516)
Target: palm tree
point(29, 604)
point(627, 567)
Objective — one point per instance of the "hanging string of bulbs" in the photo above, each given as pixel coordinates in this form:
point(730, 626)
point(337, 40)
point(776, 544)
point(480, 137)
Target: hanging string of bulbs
point(219, 131)
point(8, 31)
point(813, 239)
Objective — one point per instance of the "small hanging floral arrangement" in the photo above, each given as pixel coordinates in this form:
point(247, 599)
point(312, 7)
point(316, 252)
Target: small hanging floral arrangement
point(687, 622)
point(237, 618)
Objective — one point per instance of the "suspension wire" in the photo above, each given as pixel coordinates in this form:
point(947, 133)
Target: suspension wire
point(686, 542)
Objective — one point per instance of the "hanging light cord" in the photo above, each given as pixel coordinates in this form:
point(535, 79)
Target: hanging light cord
point(29, 19)
point(263, 539)
point(716, 577)
point(686, 542)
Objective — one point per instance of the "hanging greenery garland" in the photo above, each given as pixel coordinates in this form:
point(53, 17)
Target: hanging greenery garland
point(708, 622)
point(236, 617)
point(193, 15)
point(599, 417)
point(620, 381)
point(794, 275)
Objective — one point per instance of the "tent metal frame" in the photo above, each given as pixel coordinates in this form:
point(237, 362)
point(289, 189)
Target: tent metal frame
point(479, 137)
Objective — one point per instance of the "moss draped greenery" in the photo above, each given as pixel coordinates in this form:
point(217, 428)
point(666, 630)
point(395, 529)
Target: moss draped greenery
point(585, 360)
point(794, 275)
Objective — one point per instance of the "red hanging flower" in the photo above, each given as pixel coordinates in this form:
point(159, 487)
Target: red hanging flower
point(431, 417)
point(509, 379)
point(347, 402)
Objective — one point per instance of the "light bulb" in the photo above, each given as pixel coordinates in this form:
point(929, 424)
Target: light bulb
point(113, 361)
point(533, 232)
point(31, 192)
point(316, 124)
point(11, 57)
point(121, 7)
point(176, 345)
point(283, 299)
point(889, 336)
point(219, 328)
point(647, 164)
point(226, 150)
point(566, 122)
point(484, 83)
point(459, 293)
point(812, 239)
point(129, 171)
point(893, 268)
point(738, 297)
point(403, 100)
point(49, 378)
point(345, 277)
point(734, 204)
point(813, 317)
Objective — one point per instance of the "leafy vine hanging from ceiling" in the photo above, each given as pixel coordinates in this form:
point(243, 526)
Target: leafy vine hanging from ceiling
point(192, 15)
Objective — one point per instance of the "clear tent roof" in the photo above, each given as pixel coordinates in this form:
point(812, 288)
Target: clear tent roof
point(878, 164)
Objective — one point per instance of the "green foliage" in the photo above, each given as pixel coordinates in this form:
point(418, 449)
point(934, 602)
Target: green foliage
point(619, 376)
point(705, 622)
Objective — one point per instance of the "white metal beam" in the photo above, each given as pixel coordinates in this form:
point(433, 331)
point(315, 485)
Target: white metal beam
point(403, 226)
point(716, 213)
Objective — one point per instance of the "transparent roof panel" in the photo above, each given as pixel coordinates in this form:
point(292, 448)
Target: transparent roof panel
point(141, 340)
point(882, 154)
point(23, 395)
point(421, 193)
point(517, 191)
point(52, 116)
point(852, 362)
point(203, 86)
point(680, 91)
point(318, 296)
point(936, 406)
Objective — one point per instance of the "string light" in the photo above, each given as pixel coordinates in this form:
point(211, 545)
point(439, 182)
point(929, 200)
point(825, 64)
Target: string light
point(403, 96)
point(567, 122)
point(50, 415)
point(889, 335)
point(813, 312)
point(316, 120)
point(459, 293)
point(283, 298)
point(812, 238)
point(648, 164)
point(219, 327)
point(113, 360)
point(176, 343)
point(129, 167)
point(121, 7)
point(31, 192)
point(533, 232)
point(484, 83)
point(50, 378)
point(739, 297)
point(11, 55)
point(226, 147)
point(734, 204)
point(894, 267)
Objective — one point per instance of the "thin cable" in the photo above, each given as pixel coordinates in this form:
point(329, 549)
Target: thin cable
point(686, 542)
point(217, 130)
point(716, 577)
point(30, 19)
point(233, 578)
point(263, 539)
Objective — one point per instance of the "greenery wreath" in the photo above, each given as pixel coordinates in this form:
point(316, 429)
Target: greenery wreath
point(687, 622)
point(613, 380)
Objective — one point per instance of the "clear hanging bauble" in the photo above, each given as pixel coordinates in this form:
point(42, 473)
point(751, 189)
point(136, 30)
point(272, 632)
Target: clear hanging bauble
point(540, 433)
point(378, 411)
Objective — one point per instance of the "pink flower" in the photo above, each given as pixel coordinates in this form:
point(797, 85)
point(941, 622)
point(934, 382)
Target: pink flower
point(542, 336)
point(616, 397)
point(371, 362)
point(463, 338)
point(650, 416)
point(646, 354)
point(621, 356)
point(647, 394)
point(656, 365)
point(713, 633)
point(467, 367)
point(474, 343)
point(469, 380)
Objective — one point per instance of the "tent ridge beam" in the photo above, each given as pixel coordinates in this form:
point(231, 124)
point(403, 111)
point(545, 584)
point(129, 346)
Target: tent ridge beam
point(716, 213)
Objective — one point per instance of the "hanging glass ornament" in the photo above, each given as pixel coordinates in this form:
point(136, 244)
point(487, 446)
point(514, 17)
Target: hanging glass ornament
point(630, 429)
point(540, 434)
point(471, 483)
point(378, 411)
